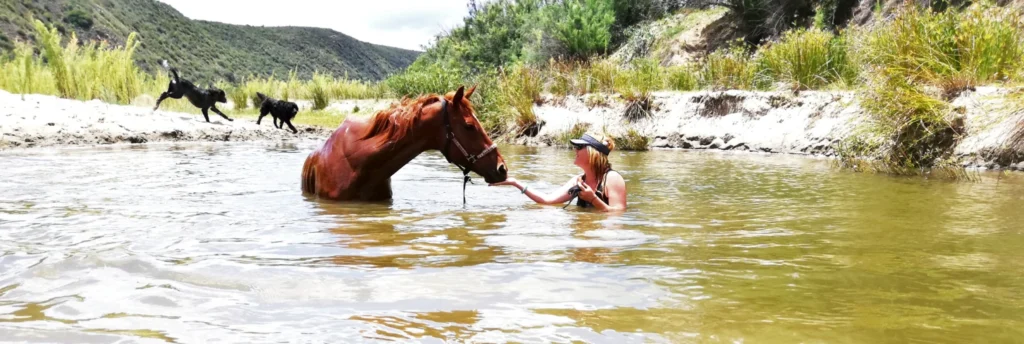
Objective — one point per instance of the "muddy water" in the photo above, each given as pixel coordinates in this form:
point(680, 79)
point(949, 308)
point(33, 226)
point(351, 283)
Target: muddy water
point(198, 243)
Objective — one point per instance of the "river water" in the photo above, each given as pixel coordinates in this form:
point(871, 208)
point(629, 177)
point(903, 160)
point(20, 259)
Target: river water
point(214, 242)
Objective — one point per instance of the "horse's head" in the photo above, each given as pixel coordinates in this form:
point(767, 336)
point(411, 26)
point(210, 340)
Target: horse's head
point(466, 141)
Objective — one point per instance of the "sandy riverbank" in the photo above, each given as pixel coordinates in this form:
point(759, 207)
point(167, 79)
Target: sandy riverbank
point(808, 123)
point(39, 120)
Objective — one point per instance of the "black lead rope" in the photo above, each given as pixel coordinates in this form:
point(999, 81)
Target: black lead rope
point(449, 135)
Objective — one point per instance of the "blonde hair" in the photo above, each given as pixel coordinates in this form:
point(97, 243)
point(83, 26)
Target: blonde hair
point(599, 162)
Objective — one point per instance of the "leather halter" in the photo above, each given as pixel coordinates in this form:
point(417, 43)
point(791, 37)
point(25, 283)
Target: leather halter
point(449, 137)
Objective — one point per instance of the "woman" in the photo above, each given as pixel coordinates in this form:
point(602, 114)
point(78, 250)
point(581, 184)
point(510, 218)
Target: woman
point(599, 186)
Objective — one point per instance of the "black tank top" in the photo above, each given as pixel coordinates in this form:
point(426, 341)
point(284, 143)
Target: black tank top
point(599, 192)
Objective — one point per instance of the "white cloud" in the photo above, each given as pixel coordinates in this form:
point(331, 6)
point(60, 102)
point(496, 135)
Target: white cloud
point(408, 24)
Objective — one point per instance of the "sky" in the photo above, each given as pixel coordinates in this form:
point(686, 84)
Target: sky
point(408, 24)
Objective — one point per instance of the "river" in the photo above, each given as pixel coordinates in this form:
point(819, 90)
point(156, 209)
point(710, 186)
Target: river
point(214, 242)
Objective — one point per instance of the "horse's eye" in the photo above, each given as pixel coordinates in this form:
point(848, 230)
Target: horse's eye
point(469, 127)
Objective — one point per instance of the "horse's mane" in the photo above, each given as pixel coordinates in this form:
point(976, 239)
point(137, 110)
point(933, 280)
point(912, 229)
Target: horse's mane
point(395, 122)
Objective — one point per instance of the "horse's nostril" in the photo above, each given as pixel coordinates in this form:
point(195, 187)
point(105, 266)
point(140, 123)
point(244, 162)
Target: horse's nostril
point(501, 169)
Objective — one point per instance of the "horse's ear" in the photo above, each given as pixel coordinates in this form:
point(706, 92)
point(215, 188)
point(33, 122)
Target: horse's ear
point(459, 94)
point(470, 92)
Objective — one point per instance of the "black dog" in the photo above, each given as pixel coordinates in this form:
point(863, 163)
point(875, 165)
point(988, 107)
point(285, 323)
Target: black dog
point(279, 109)
point(202, 98)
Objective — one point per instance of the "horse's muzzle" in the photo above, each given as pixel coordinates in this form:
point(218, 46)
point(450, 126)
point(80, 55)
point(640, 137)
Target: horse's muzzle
point(499, 174)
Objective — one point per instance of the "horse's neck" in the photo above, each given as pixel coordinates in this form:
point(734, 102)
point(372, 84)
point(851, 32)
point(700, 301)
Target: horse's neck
point(392, 156)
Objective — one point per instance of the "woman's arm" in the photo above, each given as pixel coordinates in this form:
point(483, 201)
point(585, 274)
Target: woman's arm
point(560, 195)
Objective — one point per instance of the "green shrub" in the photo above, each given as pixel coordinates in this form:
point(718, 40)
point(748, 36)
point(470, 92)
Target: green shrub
point(582, 26)
point(79, 18)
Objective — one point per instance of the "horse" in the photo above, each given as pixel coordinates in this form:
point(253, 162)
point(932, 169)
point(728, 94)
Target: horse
point(357, 161)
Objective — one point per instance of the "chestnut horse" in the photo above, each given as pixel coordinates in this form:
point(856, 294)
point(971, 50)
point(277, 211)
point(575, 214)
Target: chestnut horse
point(357, 161)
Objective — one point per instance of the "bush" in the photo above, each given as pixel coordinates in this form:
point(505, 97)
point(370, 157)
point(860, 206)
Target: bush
point(434, 78)
point(79, 18)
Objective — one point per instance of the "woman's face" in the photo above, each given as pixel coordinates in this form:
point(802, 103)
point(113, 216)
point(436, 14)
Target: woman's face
point(582, 158)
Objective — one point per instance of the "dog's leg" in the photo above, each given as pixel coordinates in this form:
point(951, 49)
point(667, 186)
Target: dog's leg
point(294, 131)
point(221, 113)
point(278, 122)
point(162, 97)
point(206, 115)
point(262, 114)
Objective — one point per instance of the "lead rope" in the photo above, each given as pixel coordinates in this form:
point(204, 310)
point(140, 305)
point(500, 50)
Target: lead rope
point(449, 135)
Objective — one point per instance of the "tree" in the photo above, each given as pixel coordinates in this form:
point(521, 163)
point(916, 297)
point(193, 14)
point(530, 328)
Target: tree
point(582, 26)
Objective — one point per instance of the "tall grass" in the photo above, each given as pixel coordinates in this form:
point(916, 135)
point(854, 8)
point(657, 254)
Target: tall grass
point(682, 78)
point(914, 63)
point(79, 71)
point(805, 59)
point(729, 68)
point(24, 73)
point(521, 87)
point(637, 85)
point(49, 38)
point(950, 50)
point(320, 91)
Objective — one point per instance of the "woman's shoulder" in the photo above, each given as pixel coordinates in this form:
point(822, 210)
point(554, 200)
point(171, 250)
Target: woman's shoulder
point(615, 177)
point(615, 174)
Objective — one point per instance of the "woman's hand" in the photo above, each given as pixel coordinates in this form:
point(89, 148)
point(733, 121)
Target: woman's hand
point(508, 181)
point(586, 193)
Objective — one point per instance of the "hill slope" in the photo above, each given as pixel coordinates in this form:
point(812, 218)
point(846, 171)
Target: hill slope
point(205, 51)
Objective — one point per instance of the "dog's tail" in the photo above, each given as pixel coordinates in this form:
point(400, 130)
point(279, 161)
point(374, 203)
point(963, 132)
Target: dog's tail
point(172, 69)
point(262, 97)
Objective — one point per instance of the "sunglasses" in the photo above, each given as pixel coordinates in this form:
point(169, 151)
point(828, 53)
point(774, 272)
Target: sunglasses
point(578, 147)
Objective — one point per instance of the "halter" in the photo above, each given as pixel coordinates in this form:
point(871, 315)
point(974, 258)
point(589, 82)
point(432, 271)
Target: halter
point(449, 137)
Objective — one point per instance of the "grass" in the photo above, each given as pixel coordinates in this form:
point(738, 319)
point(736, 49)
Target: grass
point(804, 59)
point(577, 130)
point(633, 141)
point(730, 68)
point(916, 63)
point(521, 87)
point(950, 50)
point(637, 85)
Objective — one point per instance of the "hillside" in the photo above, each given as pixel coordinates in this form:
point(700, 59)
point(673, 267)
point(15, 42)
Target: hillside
point(205, 51)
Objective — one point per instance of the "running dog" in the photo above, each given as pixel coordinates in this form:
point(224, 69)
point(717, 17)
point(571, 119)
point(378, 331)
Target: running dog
point(204, 99)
